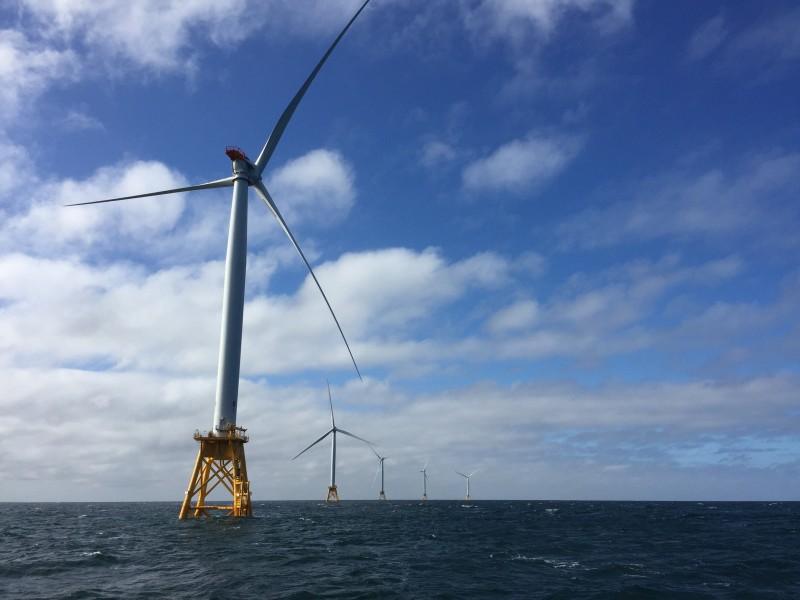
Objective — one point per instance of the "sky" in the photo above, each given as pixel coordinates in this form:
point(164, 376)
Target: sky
point(561, 236)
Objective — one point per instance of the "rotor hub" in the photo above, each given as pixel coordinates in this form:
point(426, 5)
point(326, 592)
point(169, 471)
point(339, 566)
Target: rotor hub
point(243, 167)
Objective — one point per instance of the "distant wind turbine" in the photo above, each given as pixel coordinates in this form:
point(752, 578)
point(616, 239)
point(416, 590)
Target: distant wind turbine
point(467, 477)
point(221, 453)
point(333, 493)
point(424, 471)
point(382, 495)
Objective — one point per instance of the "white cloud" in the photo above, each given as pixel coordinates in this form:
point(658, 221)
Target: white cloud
point(318, 187)
point(770, 44)
point(27, 68)
point(540, 430)
point(310, 18)
point(76, 120)
point(707, 38)
point(382, 299)
point(528, 27)
point(392, 305)
point(762, 51)
point(519, 315)
point(149, 33)
point(12, 160)
point(436, 153)
point(521, 163)
point(594, 315)
point(389, 301)
point(750, 197)
point(160, 34)
point(169, 318)
point(44, 223)
point(62, 41)
point(515, 20)
point(531, 263)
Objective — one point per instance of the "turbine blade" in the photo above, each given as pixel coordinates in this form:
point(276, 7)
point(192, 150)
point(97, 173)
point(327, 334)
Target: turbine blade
point(355, 436)
point(464, 476)
point(330, 401)
point(374, 477)
point(283, 120)
point(315, 443)
point(262, 191)
point(228, 181)
point(375, 452)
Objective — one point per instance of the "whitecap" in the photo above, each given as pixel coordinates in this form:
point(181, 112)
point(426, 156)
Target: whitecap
point(523, 557)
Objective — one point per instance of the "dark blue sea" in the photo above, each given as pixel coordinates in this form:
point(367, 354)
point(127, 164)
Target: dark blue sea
point(404, 550)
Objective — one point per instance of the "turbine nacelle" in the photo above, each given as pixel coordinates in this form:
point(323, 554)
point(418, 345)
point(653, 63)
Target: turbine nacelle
point(235, 153)
point(243, 167)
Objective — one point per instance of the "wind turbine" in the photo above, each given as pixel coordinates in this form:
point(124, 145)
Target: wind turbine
point(221, 455)
point(382, 495)
point(467, 477)
point(424, 471)
point(333, 493)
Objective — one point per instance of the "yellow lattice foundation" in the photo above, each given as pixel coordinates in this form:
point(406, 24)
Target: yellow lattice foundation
point(333, 494)
point(220, 461)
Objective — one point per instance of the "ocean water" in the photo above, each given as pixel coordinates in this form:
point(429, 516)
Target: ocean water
point(441, 549)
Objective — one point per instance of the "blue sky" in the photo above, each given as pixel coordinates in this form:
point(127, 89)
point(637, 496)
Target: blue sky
point(561, 236)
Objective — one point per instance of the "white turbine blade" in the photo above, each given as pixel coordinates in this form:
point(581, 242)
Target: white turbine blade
point(227, 182)
point(375, 452)
point(262, 191)
point(283, 121)
point(315, 443)
point(473, 473)
point(370, 444)
point(464, 476)
point(374, 477)
point(330, 401)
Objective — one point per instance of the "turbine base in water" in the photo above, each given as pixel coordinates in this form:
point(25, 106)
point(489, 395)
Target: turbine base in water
point(333, 494)
point(382, 496)
point(220, 460)
point(425, 498)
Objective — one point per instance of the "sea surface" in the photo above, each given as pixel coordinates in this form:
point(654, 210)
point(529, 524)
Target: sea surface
point(441, 549)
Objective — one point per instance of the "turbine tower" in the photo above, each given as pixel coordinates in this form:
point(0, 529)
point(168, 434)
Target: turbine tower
point(220, 459)
point(424, 471)
point(382, 494)
point(467, 477)
point(333, 492)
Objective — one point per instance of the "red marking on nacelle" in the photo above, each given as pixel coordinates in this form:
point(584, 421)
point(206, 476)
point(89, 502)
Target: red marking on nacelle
point(235, 153)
